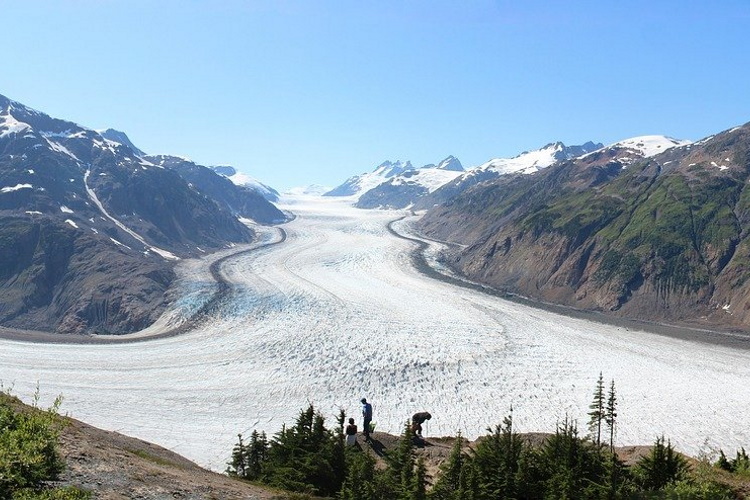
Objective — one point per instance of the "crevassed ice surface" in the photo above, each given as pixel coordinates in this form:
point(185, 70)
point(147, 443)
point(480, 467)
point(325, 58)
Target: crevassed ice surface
point(337, 312)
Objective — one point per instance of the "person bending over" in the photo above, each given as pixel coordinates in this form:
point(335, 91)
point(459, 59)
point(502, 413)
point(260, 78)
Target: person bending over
point(416, 422)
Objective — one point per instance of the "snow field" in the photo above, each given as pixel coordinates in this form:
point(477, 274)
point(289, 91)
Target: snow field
point(337, 313)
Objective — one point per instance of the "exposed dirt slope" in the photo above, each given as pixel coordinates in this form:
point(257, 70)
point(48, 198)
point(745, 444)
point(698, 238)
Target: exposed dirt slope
point(114, 466)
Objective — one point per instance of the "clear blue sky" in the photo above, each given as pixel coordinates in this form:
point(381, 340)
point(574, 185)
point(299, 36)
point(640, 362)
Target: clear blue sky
point(301, 92)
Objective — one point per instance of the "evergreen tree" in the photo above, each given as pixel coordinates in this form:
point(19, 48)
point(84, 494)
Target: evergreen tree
point(300, 458)
point(742, 462)
point(610, 415)
point(256, 455)
point(496, 460)
point(660, 467)
point(338, 455)
point(401, 465)
point(574, 468)
point(469, 482)
point(419, 483)
point(723, 463)
point(531, 474)
point(448, 484)
point(360, 483)
point(619, 480)
point(596, 415)
point(237, 466)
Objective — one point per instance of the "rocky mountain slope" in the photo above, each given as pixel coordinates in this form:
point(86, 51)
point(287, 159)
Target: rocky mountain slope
point(243, 195)
point(89, 230)
point(238, 199)
point(650, 228)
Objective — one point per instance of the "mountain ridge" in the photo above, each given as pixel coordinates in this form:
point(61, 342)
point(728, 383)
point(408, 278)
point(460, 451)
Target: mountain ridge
point(660, 236)
point(89, 231)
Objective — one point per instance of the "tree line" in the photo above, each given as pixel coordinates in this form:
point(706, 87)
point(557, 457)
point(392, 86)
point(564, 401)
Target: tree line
point(309, 458)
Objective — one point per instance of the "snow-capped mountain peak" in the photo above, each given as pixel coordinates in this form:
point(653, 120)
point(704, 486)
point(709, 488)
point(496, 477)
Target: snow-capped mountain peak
point(527, 162)
point(359, 184)
point(451, 163)
point(404, 189)
point(389, 169)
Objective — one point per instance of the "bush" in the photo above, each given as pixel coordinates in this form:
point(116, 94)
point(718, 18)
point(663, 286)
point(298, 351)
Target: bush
point(28, 451)
point(69, 493)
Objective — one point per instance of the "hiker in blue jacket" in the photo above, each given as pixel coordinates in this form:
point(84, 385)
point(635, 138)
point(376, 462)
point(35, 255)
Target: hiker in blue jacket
point(367, 416)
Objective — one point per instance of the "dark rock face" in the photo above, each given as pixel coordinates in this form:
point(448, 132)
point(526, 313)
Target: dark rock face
point(88, 229)
point(224, 170)
point(391, 196)
point(121, 138)
point(57, 278)
point(663, 238)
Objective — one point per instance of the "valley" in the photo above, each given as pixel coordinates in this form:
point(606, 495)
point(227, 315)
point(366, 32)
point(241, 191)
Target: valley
point(338, 311)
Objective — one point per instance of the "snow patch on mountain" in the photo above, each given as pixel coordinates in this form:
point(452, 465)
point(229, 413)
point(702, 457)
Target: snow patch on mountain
point(430, 177)
point(648, 145)
point(10, 189)
point(56, 146)
point(9, 125)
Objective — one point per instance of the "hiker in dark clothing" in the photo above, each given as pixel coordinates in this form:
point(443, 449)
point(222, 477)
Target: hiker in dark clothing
point(351, 433)
point(367, 417)
point(416, 422)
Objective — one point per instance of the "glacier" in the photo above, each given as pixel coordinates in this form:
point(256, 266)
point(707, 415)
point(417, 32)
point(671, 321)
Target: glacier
point(337, 312)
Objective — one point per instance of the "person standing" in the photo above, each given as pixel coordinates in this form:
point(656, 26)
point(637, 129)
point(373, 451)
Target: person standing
point(351, 433)
point(367, 417)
